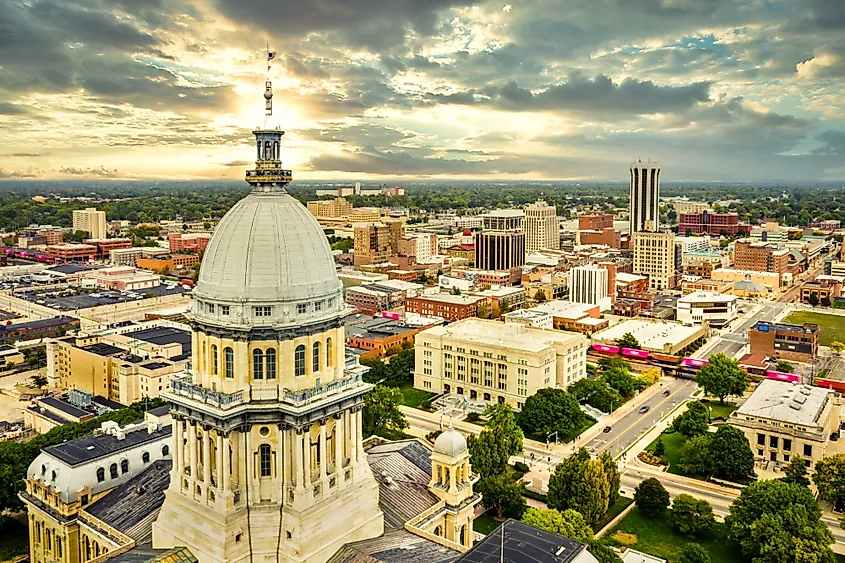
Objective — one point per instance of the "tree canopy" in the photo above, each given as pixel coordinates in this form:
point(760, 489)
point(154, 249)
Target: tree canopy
point(829, 478)
point(596, 393)
point(694, 553)
point(692, 516)
point(502, 493)
point(551, 410)
point(775, 521)
point(721, 377)
point(731, 453)
point(569, 523)
point(381, 415)
point(628, 340)
point(496, 443)
point(583, 484)
point(651, 497)
point(796, 471)
point(694, 421)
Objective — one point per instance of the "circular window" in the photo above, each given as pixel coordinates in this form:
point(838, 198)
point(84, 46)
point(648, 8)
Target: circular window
point(264, 431)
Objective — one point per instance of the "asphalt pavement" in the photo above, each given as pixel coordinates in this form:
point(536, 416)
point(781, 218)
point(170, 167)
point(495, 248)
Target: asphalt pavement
point(732, 340)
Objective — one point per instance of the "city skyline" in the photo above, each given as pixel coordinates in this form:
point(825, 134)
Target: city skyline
point(451, 89)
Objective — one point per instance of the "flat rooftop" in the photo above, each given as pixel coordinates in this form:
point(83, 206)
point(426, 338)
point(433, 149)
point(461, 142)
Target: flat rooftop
point(785, 402)
point(88, 448)
point(514, 336)
point(765, 326)
point(453, 299)
point(515, 542)
point(162, 335)
point(379, 327)
point(699, 296)
point(651, 335)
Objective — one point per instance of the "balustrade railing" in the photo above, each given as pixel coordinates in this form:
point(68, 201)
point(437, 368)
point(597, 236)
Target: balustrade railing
point(184, 387)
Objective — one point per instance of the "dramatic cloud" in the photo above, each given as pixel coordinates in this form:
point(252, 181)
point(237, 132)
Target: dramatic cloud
point(714, 89)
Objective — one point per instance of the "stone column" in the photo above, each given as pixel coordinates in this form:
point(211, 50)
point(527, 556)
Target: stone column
point(357, 435)
point(250, 465)
point(227, 468)
point(353, 442)
point(192, 448)
point(206, 457)
point(218, 476)
point(306, 452)
point(338, 449)
point(178, 444)
point(280, 460)
point(324, 461)
point(299, 463)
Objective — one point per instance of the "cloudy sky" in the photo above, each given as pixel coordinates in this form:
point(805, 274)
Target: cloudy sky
point(557, 89)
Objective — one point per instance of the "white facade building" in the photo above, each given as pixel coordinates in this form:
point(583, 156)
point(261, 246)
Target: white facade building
point(541, 227)
point(716, 308)
point(588, 284)
point(91, 221)
point(644, 197)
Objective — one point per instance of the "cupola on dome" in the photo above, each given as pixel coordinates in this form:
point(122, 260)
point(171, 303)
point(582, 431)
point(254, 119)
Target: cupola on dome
point(451, 443)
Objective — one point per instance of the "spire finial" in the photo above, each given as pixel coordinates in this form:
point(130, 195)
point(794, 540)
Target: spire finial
point(268, 87)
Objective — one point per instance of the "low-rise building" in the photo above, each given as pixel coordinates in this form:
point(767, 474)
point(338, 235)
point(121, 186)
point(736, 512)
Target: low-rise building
point(771, 280)
point(10, 356)
point(449, 307)
point(121, 278)
point(824, 290)
point(581, 317)
point(799, 343)
point(129, 256)
point(167, 262)
point(500, 297)
point(717, 309)
point(75, 406)
point(73, 475)
point(497, 362)
point(782, 420)
point(188, 242)
point(376, 336)
point(41, 328)
point(71, 252)
point(106, 245)
point(653, 335)
point(695, 285)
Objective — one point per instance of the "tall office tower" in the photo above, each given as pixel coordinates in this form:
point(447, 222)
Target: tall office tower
point(644, 197)
point(654, 256)
point(588, 284)
point(501, 245)
point(91, 221)
point(541, 227)
point(268, 459)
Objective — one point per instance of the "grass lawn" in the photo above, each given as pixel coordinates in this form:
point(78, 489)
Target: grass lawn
point(614, 511)
point(14, 538)
point(656, 536)
point(832, 326)
point(415, 398)
point(485, 524)
point(720, 410)
point(672, 454)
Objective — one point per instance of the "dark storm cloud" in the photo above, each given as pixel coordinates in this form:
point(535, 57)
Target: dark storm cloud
point(598, 96)
point(376, 24)
point(370, 160)
point(12, 109)
point(819, 15)
point(834, 143)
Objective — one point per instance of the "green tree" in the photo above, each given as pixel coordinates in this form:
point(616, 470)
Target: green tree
point(825, 301)
point(651, 497)
point(830, 478)
point(621, 380)
point(694, 421)
point(610, 362)
point(381, 415)
point(660, 447)
point(483, 312)
point(551, 410)
point(692, 516)
point(569, 523)
point(592, 493)
point(540, 296)
point(837, 346)
point(796, 472)
point(731, 453)
point(502, 493)
point(813, 299)
point(775, 521)
point(596, 393)
point(455, 291)
point(602, 552)
point(721, 377)
point(564, 479)
point(614, 479)
point(628, 340)
point(694, 553)
point(501, 420)
point(784, 366)
point(696, 457)
point(38, 380)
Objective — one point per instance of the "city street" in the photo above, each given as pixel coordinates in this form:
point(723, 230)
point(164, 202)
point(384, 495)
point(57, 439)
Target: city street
point(732, 341)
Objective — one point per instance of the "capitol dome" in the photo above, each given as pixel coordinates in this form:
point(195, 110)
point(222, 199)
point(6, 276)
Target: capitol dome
point(450, 443)
point(268, 263)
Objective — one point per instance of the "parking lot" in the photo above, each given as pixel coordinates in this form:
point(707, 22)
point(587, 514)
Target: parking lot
point(74, 298)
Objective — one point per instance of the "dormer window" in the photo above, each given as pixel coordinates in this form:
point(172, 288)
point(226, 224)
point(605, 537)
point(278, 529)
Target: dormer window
point(301, 308)
point(224, 310)
point(263, 311)
point(210, 308)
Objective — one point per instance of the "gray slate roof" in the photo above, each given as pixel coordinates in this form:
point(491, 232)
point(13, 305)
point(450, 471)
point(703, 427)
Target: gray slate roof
point(89, 448)
point(522, 544)
point(128, 508)
point(395, 546)
point(403, 471)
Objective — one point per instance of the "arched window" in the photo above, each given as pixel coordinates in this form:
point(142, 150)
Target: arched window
point(258, 151)
point(113, 470)
point(214, 359)
point(145, 457)
point(165, 450)
point(257, 364)
point(438, 531)
point(124, 465)
point(464, 535)
point(270, 356)
point(264, 456)
point(101, 474)
point(268, 150)
point(230, 362)
point(329, 352)
point(315, 357)
point(299, 361)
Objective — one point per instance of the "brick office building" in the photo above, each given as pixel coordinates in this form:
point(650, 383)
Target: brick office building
point(798, 343)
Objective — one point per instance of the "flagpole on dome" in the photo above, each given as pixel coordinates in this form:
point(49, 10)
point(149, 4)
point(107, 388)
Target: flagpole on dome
point(268, 87)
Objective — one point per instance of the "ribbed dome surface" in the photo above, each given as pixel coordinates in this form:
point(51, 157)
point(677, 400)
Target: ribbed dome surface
point(269, 250)
point(450, 443)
